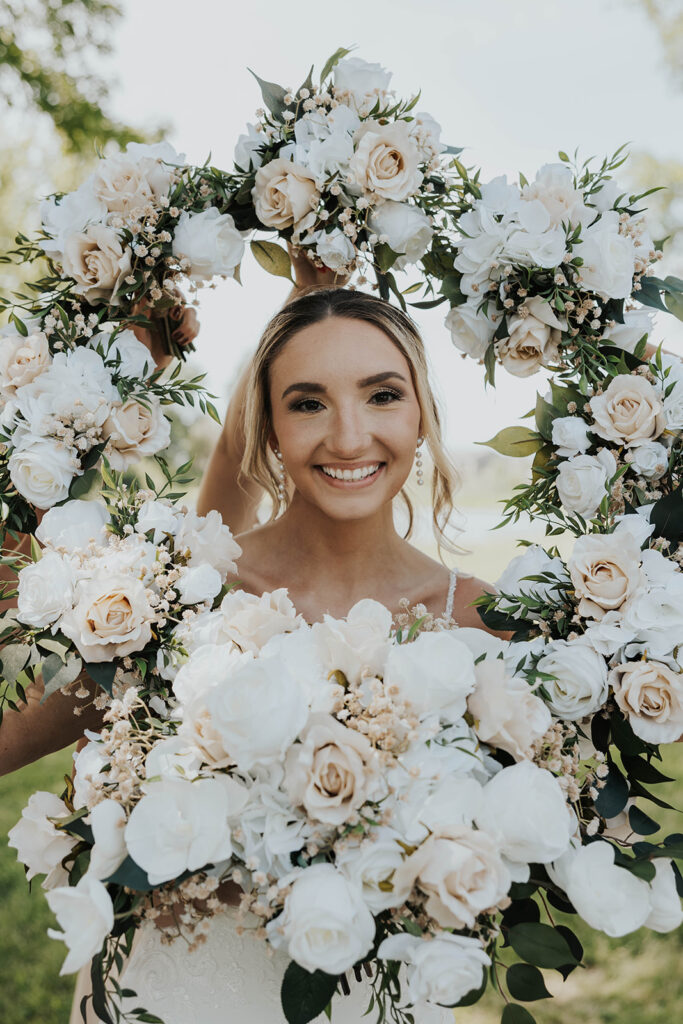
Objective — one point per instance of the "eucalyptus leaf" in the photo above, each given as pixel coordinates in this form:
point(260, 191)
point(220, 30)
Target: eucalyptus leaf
point(516, 442)
point(57, 674)
point(332, 61)
point(14, 658)
point(273, 95)
point(273, 258)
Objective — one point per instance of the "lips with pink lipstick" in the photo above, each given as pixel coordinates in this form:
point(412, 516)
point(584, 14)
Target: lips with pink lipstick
point(353, 475)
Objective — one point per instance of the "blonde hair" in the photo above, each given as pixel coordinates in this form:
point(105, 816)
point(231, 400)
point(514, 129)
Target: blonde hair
point(309, 308)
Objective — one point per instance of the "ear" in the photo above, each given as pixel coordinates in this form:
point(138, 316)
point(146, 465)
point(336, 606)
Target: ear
point(272, 441)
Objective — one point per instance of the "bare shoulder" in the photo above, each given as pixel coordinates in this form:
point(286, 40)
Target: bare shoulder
point(255, 547)
point(467, 590)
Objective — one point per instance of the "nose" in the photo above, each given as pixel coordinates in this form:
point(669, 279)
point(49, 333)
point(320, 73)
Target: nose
point(349, 437)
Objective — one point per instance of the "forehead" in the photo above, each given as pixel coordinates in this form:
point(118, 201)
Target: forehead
point(337, 349)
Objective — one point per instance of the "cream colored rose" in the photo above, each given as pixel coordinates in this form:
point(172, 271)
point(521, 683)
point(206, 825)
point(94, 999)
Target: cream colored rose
point(507, 713)
point(135, 430)
point(112, 617)
point(606, 571)
point(122, 185)
point(630, 411)
point(331, 772)
point(533, 339)
point(97, 261)
point(461, 873)
point(386, 160)
point(22, 360)
point(283, 193)
point(651, 696)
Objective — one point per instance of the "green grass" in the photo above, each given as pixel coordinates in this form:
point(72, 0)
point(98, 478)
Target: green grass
point(635, 980)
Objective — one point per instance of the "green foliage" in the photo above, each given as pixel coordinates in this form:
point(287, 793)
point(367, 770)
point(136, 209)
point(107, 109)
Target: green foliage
point(74, 30)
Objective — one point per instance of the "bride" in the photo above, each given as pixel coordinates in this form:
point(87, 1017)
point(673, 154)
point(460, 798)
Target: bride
point(336, 410)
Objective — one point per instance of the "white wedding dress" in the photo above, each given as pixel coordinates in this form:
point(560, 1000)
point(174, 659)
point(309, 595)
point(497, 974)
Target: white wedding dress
point(230, 978)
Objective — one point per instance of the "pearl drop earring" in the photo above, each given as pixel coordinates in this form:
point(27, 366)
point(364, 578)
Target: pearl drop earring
point(281, 489)
point(418, 462)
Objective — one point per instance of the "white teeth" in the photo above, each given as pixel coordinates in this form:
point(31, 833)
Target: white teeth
point(350, 474)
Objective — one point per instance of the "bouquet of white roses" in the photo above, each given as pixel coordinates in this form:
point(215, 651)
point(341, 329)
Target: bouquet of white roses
point(381, 799)
point(551, 272)
point(66, 399)
point(143, 223)
point(109, 587)
point(344, 171)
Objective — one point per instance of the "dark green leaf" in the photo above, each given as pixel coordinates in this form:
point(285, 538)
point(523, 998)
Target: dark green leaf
point(613, 796)
point(541, 945)
point(131, 875)
point(575, 946)
point(644, 771)
point(667, 516)
point(516, 1014)
point(641, 822)
point(526, 983)
point(304, 995)
point(101, 673)
point(649, 294)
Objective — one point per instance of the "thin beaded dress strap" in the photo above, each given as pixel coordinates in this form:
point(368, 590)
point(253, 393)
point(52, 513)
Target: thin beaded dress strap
point(448, 613)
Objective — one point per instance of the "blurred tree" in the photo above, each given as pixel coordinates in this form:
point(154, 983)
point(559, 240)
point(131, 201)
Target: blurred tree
point(667, 18)
point(49, 52)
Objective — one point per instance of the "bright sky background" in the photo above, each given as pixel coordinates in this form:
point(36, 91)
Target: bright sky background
point(513, 82)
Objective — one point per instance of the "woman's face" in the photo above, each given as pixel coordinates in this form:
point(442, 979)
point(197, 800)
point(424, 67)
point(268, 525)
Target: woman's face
point(345, 416)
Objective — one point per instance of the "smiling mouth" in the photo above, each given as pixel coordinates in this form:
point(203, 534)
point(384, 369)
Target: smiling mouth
point(359, 475)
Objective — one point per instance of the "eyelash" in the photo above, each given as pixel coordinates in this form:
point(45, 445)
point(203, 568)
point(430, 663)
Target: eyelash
point(300, 405)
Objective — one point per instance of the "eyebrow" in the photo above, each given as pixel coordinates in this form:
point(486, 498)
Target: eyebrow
point(318, 389)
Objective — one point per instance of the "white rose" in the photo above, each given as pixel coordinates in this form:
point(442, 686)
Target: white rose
point(358, 644)
point(121, 184)
point(637, 324)
point(533, 561)
point(582, 481)
point(427, 131)
point(180, 825)
point(97, 261)
point(363, 81)
point(125, 353)
point(198, 583)
point(135, 430)
point(629, 411)
point(206, 668)
point(108, 821)
point(22, 360)
point(580, 684)
point(507, 714)
point(407, 227)
point(386, 161)
point(433, 673)
point(210, 241)
point(247, 147)
point(46, 590)
point(157, 516)
point(40, 846)
point(460, 872)
point(158, 160)
point(76, 388)
point(258, 710)
point(329, 155)
point(300, 653)
point(283, 193)
point(605, 570)
point(666, 914)
point(251, 621)
point(673, 406)
point(111, 618)
point(208, 539)
point(425, 804)
point(74, 525)
point(171, 758)
point(608, 258)
point(638, 526)
point(325, 924)
point(651, 696)
point(649, 459)
point(524, 809)
point(86, 915)
point(67, 216)
point(471, 331)
point(335, 249)
point(42, 472)
point(536, 243)
point(331, 773)
point(607, 897)
point(553, 186)
point(442, 970)
point(532, 340)
point(570, 436)
point(88, 764)
point(373, 864)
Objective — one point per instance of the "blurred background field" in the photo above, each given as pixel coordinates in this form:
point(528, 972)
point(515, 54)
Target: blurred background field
point(513, 83)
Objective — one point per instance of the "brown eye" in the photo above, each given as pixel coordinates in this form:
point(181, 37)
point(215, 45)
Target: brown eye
point(386, 396)
point(306, 405)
